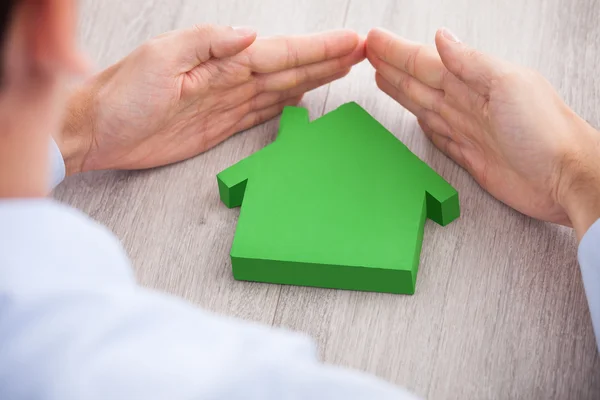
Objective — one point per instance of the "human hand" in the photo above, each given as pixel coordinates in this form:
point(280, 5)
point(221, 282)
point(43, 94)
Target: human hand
point(503, 123)
point(186, 91)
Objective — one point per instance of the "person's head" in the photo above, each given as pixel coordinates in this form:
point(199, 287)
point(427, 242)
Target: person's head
point(38, 56)
point(38, 49)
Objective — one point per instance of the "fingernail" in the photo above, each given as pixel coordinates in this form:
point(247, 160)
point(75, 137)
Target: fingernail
point(244, 31)
point(450, 36)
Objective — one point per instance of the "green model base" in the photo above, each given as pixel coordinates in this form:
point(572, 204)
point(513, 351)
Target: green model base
point(338, 203)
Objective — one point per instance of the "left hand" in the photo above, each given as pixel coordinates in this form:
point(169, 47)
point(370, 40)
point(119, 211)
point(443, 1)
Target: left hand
point(503, 123)
point(185, 91)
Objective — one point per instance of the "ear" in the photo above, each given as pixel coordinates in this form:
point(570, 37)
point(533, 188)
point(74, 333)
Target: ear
point(46, 32)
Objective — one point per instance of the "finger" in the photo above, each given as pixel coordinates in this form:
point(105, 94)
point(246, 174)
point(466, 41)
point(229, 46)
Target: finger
point(417, 110)
point(477, 70)
point(191, 47)
point(245, 97)
point(458, 124)
point(463, 96)
point(280, 53)
point(266, 99)
point(421, 62)
point(427, 118)
point(417, 60)
point(297, 76)
point(388, 88)
point(421, 94)
point(446, 145)
point(259, 116)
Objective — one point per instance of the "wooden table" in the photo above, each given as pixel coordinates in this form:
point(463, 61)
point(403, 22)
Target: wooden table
point(500, 310)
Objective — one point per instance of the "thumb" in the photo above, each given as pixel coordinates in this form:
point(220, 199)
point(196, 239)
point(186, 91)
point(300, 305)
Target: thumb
point(477, 70)
point(191, 47)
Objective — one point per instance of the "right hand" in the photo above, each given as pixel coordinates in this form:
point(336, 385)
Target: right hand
point(503, 123)
point(185, 91)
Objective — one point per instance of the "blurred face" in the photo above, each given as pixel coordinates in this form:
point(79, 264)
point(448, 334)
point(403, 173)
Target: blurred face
point(38, 56)
point(39, 51)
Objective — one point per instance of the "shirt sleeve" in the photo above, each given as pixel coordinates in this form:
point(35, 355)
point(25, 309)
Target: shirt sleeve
point(74, 325)
point(57, 167)
point(589, 261)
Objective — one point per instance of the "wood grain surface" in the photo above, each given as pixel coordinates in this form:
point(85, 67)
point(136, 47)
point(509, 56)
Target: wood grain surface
point(500, 310)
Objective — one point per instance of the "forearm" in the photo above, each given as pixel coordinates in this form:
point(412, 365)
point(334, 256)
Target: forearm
point(581, 192)
point(75, 138)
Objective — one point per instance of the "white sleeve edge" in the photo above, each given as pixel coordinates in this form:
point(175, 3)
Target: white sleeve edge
point(57, 169)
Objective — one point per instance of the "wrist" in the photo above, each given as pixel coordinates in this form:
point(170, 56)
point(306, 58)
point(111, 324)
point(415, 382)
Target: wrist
point(75, 139)
point(580, 178)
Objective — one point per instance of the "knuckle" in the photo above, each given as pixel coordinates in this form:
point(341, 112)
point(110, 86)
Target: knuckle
point(296, 78)
point(303, 76)
point(203, 29)
point(404, 84)
point(247, 58)
point(428, 118)
point(411, 60)
point(444, 77)
point(250, 104)
point(257, 118)
point(387, 49)
point(457, 125)
point(408, 61)
point(446, 145)
point(289, 51)
point(484, 106)
point(293, 57)
point(253, 104)
point(438, 102)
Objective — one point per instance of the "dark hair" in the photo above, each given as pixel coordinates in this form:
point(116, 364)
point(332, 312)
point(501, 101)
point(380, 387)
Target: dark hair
point(6, 9)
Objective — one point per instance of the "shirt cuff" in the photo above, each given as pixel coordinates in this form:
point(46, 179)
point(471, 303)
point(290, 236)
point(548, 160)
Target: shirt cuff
point(57, 170)
point(589, 261)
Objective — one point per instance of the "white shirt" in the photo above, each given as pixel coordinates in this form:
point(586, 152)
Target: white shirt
point(74, 325)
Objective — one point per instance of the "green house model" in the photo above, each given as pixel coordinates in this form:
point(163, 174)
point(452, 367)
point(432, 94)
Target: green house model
point(338, 202)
